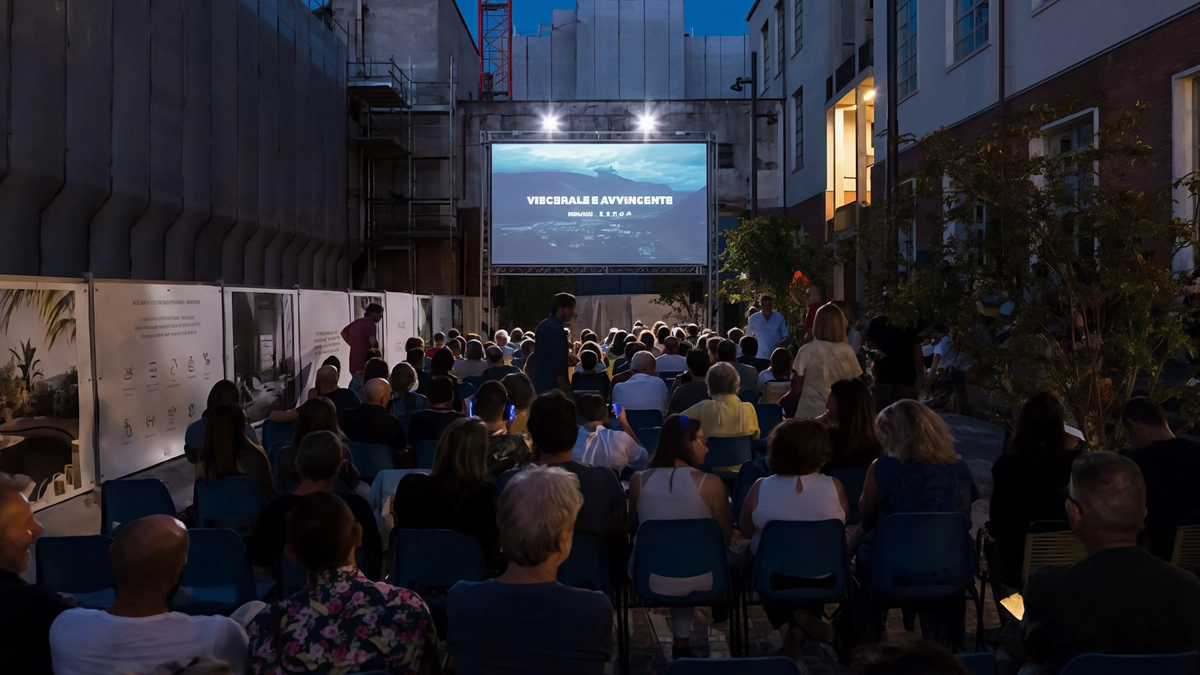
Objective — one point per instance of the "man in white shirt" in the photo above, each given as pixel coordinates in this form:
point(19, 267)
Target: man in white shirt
point(768, 327)
point(138, 632)
point(598, 445)
point(645, 390)
point(671, 361)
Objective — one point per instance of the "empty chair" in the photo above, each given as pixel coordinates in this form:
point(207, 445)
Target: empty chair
point(587, 566)
point(642, 419)
point(283, 465)
point(465, 390)
point(276, 432)
point(371, 458)
point(590, 383)
point(724, 453)
point(773, 391)
point(436, 560)
point(217, 578)
point(762, 665)
point(983, 663)
point(236, 501)
point(1050, 543)
point(1140, 664)
point(648, 437)
point(802, 561)
point(475, 381)
point(78, 567)
point(769, 416)
point(123, 501)
point(748, 396)
point(425, 451)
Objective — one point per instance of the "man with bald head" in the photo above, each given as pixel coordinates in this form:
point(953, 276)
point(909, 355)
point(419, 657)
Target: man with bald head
point(26, 611)
point(138, 632)
point(327, 386)
point(372, 423)
point(645, 390)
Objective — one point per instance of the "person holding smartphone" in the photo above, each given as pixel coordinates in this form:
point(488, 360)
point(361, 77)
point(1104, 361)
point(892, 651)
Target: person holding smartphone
point(597, 445)
point(505, 450)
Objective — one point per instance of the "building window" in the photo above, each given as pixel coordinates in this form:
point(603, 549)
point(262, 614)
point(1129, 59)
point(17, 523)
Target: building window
point(970, 27)
point(798, 103)
point(799, 30)
point(780, 28)
point(906, 46)
point(766, 52)
point(725, 156)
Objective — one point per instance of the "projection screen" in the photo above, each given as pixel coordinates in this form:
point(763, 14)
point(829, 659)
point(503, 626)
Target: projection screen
point(599, 203)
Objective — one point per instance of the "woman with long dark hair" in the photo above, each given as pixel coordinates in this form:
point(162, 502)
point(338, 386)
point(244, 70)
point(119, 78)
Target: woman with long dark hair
point(850, 410)
point(223, 392)
point(319, 414)
point(227, 452)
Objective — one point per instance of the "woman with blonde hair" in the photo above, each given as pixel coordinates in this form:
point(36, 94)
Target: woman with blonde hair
point(822, 362)
point(405, 399)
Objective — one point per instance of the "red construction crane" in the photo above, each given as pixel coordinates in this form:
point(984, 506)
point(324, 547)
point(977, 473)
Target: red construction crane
point(495, 48)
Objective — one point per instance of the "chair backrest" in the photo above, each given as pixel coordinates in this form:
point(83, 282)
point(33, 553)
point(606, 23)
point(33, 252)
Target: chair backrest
point(228, 500)
point(669, 376)
point(641, 419)
point(438, 558)
point(276, 432)
point(760, 665)
point(769, 417)
point(465, 390)
point(726, 452)
point(750, 472)
point(587, 566)
point(649, 438)
point(1140, 664)
point(802, 561)
point(74, 564)
point(983, 663)
point(748, 396)
point(1050, 544)
point(123, 501)
point(774, 391)
point(922, 556)
point(217, 578)
point(371, 458)
point(475, 381)
point(283, 465)
point(590, 383)
point(852, 479)
point(680, 549)
point(425, 451)
point(1187, 548)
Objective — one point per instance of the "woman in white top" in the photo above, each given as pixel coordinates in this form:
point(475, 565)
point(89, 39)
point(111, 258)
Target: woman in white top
point(796, 492)
point(674, 489)
point(822, 362)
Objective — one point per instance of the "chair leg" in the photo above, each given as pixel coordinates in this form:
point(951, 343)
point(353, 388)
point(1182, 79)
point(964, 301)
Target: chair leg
point(623, 631)
point(980, 602)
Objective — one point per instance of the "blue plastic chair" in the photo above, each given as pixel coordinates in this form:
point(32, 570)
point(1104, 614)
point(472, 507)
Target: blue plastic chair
point(228, 500)
point(425, 451)
point(1112, 664)
point(590, 383)
point(770, 415)
point(649, 438)
point(668, 377)
point(723, 452)
point(750, 472)
point(475, 381)
point(921, 556)
point(78, 567)
point(748, 396)
point(762, 665)
point(465, 390)
point(852, 480)
point(217, 578)
point(643, 419)
point(276, 432)
point(124, 501)
point(438, 558)
point(587, 566)
point(802, 561)
point(283, 466)
point(983, 663)
point(371, 458)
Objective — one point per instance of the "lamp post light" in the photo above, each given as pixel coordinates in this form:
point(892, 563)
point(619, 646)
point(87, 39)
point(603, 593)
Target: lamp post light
point(752, 81)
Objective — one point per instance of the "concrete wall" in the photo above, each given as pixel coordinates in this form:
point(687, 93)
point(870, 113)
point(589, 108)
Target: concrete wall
point(157, 139)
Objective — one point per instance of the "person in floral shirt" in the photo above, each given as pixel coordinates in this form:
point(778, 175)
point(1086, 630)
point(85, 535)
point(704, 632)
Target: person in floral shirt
point(341, 622)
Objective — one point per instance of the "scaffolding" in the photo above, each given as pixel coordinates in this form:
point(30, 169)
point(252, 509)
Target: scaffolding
point(495, 49)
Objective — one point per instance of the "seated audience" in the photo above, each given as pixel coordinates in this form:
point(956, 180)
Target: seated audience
point(597, 445)
point(138, 632)
point(505, 450)
point(454, 495)
point(473, 365)
point(1028, 482)
point(822, 362)
point(660, 333)
point(527, 347)
point(320, 460)
point(694, 389)
point(442, 364)
point(1120, 599)
point(457, 345)
point(525, 621)
point(26, 610)
point(552, 424)
point(670, 361)
point(853, 440)
point(521, 397)
point(419, 363)
point(673, 488)
point(1168, 464)
point(372, 423)
point(228, 452)
point(496, 368)
point(644, 390)
point(327, 386)
point(439, 341)
point(776, 380)
point(502, 342)
point(735, 336)
point(341, 621)
point(405, 399)
point(747, 375)
point(319, 414)
point(749, 347)
point(376, 368)
point(724, 415)
point(621, 364)
point(428, 424)
point(223, 392)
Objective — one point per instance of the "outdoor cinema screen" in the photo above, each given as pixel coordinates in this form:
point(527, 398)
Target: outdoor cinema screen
point(599, 204)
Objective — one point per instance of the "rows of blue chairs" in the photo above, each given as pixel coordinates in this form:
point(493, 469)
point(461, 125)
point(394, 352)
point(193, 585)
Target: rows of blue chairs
point(977, 664)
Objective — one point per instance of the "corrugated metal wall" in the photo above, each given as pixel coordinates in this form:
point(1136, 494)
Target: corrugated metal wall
point(160, 139)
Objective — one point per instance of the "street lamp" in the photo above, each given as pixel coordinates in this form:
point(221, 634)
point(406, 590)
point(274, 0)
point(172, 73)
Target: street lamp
point(771, 118)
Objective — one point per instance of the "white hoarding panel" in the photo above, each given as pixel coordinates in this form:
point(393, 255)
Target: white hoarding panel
point(443, 319)
point(400, 326)
point(158, 352)
point(323, 315)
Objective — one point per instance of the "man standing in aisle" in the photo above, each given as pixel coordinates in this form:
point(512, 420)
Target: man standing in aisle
point(361, 336)
point(768, 327)
point(553, 351)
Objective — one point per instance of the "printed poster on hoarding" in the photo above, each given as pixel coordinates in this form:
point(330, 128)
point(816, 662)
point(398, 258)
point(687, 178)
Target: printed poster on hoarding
point(323, 315)
point(260, 349)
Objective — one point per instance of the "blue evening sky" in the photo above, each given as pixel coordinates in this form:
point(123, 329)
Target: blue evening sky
point(705, 17)
point(682, 166)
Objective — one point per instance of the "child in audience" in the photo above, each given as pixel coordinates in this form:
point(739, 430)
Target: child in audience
point(598, 445)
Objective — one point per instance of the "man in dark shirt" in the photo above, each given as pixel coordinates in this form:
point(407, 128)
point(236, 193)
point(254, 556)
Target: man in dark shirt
point(1169, 466)
point(26, 611)
point(372, 423)
point(496, 370)
point(553, 352)
point(691, 392)
point(428, 424)
point(416, 359)
point(320, 460)
point(1120, 599)
point(749, 357)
